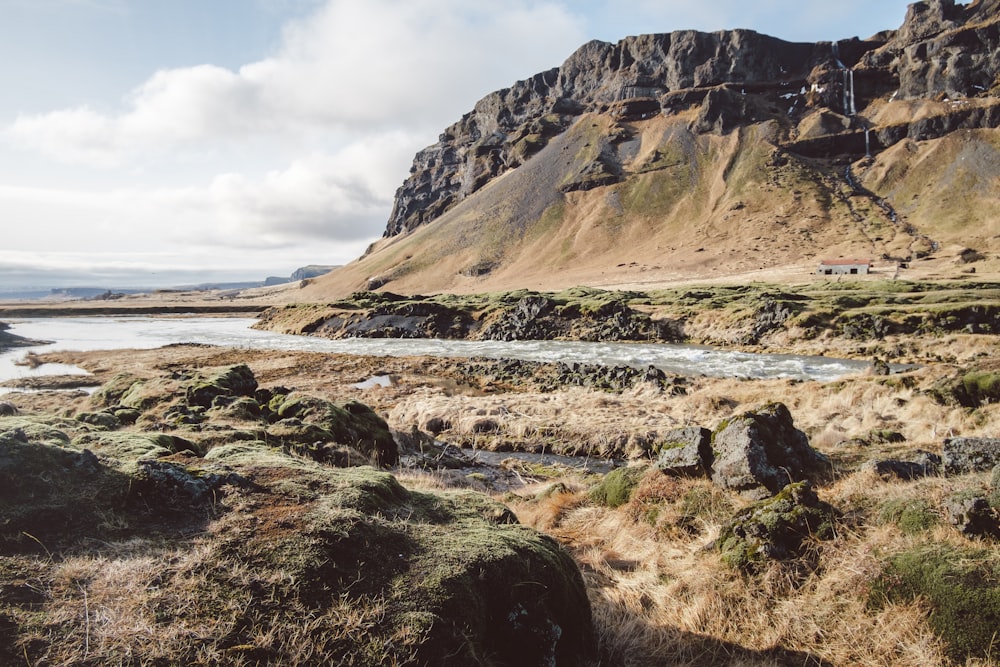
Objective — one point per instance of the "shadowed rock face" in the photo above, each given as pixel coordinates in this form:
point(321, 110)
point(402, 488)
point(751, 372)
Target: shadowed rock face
point(732, 79)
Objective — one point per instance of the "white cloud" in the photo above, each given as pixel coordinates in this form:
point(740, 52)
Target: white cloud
point(350, 67)
point(292, 158)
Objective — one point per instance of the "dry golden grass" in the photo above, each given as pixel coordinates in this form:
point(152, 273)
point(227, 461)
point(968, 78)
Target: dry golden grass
point(580, 420)
point(663, 596)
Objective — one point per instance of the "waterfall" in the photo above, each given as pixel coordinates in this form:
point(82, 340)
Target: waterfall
point(849, 107)
point(836, 56)
point(868, 143)
point(850, 76)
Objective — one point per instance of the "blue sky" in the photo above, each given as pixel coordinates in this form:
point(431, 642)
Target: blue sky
point(157, 142)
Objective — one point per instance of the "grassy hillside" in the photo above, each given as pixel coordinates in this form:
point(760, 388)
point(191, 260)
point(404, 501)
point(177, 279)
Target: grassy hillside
point(686, 206)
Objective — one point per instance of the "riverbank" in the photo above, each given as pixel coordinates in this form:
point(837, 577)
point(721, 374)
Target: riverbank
point(888, 320)
point(9, 340)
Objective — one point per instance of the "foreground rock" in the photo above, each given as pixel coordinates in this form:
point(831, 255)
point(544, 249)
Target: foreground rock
point(776, 528)
point(253, 554)
point(758, 453)
point(214, 405)
point(686, 452)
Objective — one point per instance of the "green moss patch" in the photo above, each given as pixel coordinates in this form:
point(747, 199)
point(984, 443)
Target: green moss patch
point(960, 586)
point(616, 488)
point(912, 515)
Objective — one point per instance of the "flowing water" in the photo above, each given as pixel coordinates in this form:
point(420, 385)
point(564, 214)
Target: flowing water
point(111, 333)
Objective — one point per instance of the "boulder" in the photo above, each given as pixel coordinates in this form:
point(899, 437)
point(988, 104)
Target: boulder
point(437, 425)
point(350, 423)
point(103, 420)
point(686, 452)
point(964, 455)
point(231, 381)
point(758, 453)
point(528, 319)
point(972, 515)
point(775, 528)
point(7, 409)
point(927, 464)
point(367, 571)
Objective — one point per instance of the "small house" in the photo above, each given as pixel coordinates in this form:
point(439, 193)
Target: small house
point(841, 267)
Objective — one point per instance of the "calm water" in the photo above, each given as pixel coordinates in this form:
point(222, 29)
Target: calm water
point(110, 333)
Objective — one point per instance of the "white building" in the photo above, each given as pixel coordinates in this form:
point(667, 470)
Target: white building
point(840, 267)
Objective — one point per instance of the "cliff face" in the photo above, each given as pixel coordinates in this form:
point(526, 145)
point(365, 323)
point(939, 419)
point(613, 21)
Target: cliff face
point(725, 80)
point(638, 76)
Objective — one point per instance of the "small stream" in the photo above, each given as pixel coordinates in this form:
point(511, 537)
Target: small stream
point(122, 332)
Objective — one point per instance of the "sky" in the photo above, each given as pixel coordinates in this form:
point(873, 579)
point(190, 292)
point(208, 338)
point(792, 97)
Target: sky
point(156, 143)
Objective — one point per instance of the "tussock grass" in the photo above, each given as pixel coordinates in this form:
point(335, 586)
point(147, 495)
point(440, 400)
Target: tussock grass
point(661, 594)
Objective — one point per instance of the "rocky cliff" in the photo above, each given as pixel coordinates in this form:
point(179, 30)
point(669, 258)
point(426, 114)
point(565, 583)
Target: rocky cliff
point(729, 79)
point(691, 156)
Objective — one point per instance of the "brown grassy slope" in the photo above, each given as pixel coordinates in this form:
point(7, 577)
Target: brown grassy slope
point(949, 188)
point(691, 207)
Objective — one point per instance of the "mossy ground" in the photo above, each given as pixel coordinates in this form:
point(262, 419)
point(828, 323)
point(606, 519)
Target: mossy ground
point(253, 553)
point(960, 586)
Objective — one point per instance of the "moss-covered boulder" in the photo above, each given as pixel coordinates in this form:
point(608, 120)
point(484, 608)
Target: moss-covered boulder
point(228, 382)
point(349, 423)
point(275, 559)
point(50, 491)
point(132, 446)
point(103, 420)
point(48, 430)
point(776, 528)
point(126, 391)
point(969, 389)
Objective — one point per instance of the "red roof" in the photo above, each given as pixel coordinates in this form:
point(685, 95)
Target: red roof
point(845, 262)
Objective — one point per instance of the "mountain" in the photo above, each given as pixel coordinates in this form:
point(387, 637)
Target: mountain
point(690, 154)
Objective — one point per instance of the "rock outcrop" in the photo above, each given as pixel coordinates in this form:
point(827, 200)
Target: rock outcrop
point(964, 455)
point(776, 528)
point(759, 452)
point(728, 80)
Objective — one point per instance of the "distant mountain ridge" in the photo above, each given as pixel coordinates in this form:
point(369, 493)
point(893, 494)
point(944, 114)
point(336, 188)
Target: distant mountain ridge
point(710, 143)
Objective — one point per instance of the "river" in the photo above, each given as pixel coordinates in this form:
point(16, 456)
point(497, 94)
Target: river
point(123, 332)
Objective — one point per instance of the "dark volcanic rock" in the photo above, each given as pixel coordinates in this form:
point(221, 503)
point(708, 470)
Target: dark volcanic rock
point(972, 515)
point(686, 452)
point(928, 464)
point(537, 317)
point(944, 48)
point(963, 455)
point(760, 452)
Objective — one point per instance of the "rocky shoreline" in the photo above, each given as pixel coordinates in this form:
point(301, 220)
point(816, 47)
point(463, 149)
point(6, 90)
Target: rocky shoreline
point(9, 340)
